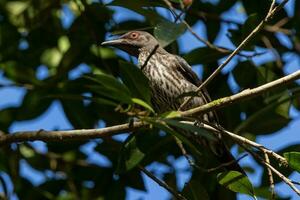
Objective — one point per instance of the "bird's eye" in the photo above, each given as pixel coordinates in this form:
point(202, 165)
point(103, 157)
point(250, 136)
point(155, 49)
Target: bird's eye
point(134, 35)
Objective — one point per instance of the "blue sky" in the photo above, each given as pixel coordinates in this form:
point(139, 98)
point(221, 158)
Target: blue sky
point(54, 118)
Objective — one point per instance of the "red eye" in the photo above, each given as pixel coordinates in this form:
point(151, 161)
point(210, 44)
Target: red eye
point(134, 35)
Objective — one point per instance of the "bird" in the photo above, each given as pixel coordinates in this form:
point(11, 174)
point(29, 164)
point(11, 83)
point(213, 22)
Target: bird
point(170, 77)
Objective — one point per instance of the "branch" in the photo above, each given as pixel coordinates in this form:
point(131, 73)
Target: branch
point(84, 134)
point(162, 184)
point(242, 141)
point(270, 14)
point(245, 94)
point(275, 171)
point(123, 128)
point(206, 42)
point(271, 179)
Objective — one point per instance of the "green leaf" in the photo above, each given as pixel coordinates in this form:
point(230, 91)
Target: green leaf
point(193, 190)
point(170, 114)
point(293, 159)
point(138, 7)
point(176, 1)
point(142, 103)
point(194, 129)
point(275, 114)
point(134, 179)
point(136, 81)
point(166, 32)
point(237, 36)
point(34, 104)
point(110, 87)
point(286, 171)
point(17, 7)
point(203, 55)
point(245, 74)
point(167, 129)
point(77, 114)
point(130, 155)
point(51, 57)
point(97, 100)
point(237, 182)
point(63, 44)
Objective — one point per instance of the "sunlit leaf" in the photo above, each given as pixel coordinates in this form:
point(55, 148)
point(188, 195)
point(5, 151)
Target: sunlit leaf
point(16, 7)
point(237, 182)
point(293, 159)
point(142, 103)
point(63, 44)
point(171, 114)
point(51, 57)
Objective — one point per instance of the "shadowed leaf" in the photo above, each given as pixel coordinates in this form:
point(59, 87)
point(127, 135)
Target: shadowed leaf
point(166, 32)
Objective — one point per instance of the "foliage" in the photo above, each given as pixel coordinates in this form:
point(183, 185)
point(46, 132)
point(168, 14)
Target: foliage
point(34, 36)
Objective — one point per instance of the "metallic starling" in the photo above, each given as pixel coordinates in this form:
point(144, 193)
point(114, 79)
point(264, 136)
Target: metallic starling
point(170, 77)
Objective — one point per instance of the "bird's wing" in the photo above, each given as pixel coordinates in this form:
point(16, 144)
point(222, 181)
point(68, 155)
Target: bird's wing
point(186, 70)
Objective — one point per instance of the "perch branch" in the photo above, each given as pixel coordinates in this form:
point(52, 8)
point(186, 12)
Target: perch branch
point(245, 94)
point(44, 135)
point(83, 134)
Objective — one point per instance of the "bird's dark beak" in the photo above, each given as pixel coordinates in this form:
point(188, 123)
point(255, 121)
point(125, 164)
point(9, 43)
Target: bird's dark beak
point(115, 42)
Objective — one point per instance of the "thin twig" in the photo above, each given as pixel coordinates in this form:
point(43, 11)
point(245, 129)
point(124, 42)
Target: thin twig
point(269, 45)
point(184, 152)
point(162, 184)
point(270, 14)
point(270, 174)
point(226, 164)
point(296, 182)
point(242, 141)
point(270, 28)
point(207, 43)
point(275, 171)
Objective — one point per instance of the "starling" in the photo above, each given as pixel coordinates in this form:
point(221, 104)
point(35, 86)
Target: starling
point(170, 77)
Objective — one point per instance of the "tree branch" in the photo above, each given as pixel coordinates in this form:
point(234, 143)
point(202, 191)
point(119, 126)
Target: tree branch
point(83, 134)
point(176, 194)
point(269, 16)
point(245, 94)
point(123, 128)
point(275, 171)
point(271, 179)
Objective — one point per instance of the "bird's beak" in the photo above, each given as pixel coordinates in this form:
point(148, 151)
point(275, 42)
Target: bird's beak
point(115, 42)
point(122, 44)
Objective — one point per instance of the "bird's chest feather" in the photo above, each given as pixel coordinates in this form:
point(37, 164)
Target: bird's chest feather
point(166, 83)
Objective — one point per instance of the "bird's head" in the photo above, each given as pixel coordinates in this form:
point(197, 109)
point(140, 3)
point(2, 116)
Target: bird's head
point(133, 41)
